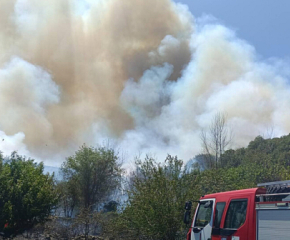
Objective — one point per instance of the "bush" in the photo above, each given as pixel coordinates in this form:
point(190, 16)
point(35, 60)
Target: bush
point(27, 196)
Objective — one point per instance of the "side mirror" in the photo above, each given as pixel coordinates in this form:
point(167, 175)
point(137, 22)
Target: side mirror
point(186, 218)
point(188, 206)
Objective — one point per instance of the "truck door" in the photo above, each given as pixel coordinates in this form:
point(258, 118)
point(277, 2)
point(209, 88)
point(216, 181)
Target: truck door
point(236, 222)
point(202, 224)
point(218, 213)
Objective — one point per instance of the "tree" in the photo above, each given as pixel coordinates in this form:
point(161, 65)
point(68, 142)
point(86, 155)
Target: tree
point(156, 199)
point(27, 195)
point(204, 161)
point(92, 174)
point(215, 140)
point(68, 198)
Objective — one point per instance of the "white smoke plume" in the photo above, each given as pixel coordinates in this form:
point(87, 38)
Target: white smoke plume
point(144, 74)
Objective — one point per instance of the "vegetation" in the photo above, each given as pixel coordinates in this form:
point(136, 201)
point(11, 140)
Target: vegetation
point(93, 174)
point(156, 191)
point(90, 178)
point(27, 196)
point(156, 195)
point(215, 140)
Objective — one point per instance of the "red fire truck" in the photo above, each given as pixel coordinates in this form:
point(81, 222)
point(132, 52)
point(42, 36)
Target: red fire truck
point(261, 213)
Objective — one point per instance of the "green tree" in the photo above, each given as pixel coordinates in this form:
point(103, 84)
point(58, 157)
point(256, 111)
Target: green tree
point(68, 198)
point(91, 176)
point(156, 200)
point(27, 196)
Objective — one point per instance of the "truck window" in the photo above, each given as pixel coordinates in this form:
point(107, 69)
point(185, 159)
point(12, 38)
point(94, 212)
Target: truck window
point(219, 209)
point(236, 214)
point(204, 213)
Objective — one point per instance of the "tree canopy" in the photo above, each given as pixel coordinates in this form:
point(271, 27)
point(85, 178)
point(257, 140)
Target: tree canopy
point(155, 200)
point(92, 174)
point(27, 195)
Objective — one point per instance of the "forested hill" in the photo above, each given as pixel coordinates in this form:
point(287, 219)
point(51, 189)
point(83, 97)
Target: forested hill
point(261, 151)
point(262, 160)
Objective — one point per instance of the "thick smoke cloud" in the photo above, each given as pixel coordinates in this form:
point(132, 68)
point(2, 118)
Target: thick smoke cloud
point(141, 73)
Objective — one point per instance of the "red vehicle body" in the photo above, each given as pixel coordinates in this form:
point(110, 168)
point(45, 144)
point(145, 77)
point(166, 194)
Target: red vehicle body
point(233, 216)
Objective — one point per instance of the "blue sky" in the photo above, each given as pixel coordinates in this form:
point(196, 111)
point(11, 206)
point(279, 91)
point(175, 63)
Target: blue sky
point(265, 24)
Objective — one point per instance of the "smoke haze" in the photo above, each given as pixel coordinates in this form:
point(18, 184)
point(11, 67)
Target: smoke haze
point(144, 74)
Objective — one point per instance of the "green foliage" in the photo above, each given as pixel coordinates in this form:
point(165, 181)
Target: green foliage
point(68, 198)
point(158, 191)
point(156, 200)
point(111, 206)
point(91, 175)
point(264, 160)
point(27, 196)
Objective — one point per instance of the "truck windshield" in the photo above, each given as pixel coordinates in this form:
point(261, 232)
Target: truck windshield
point(204, 213)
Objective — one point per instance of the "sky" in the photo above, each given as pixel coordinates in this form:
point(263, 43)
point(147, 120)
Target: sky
point(262, 23)
point(147, 75)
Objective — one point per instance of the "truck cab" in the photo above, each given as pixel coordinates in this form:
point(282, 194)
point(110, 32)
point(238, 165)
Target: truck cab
point(247, 214)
